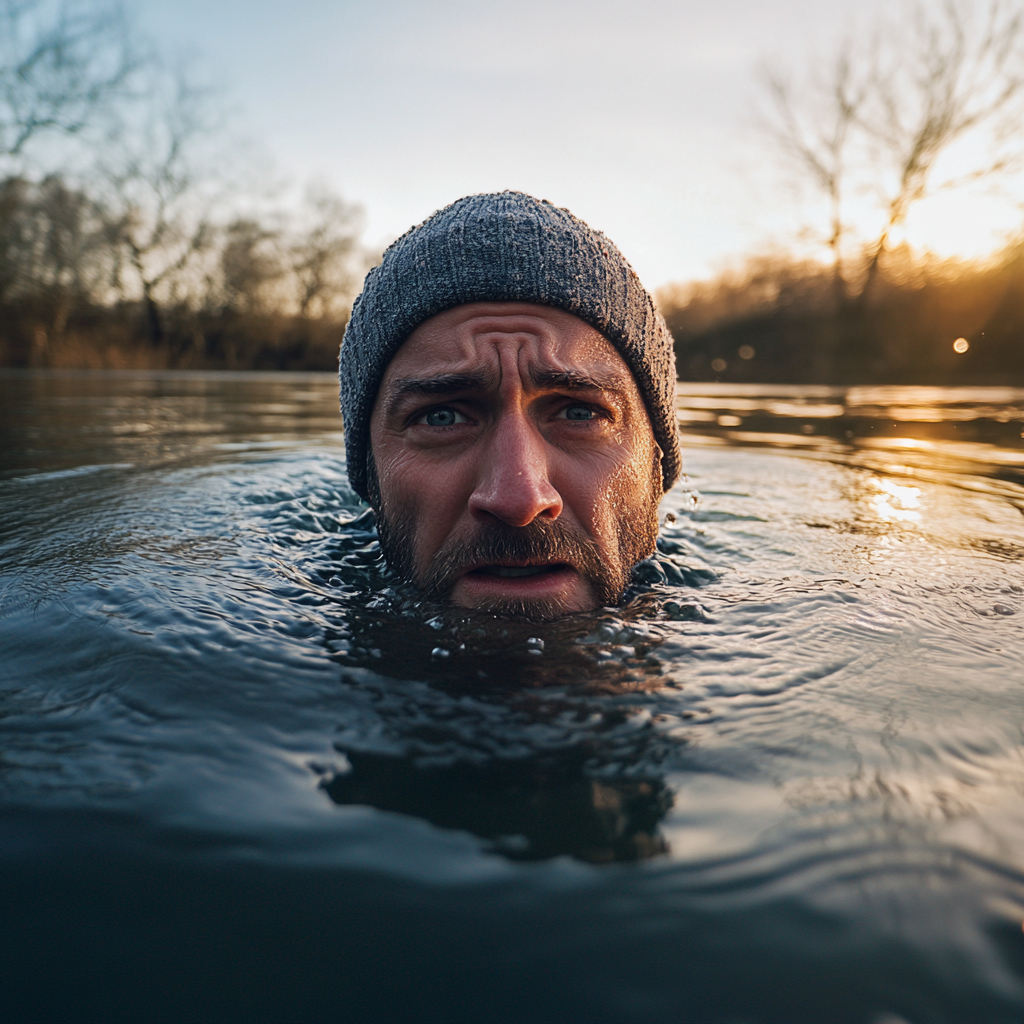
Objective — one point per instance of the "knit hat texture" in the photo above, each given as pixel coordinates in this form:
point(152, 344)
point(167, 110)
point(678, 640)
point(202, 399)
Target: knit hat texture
point(504, 247)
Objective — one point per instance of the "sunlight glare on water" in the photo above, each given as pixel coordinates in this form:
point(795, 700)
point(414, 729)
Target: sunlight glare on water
point(784, 781)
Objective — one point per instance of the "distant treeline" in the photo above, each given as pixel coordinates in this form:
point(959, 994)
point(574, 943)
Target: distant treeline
point(87, 282)
point(785, 321)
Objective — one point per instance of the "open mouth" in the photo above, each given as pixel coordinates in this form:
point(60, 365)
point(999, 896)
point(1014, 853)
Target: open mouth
point(550, 588)
point(517, 571)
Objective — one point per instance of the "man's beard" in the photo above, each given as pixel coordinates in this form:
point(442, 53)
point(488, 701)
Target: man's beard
point(496, 543)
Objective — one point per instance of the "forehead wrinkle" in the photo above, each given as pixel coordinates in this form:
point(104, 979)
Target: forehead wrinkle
point(479, 354)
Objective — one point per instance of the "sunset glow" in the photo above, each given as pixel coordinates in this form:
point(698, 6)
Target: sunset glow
point(965, 225)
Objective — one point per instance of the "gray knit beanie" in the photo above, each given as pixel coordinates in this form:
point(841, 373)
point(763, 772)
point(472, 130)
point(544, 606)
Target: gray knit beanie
point(505, 247)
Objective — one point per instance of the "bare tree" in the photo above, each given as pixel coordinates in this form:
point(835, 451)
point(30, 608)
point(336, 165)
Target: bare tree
point(323, 254)
point(250, 261)
point(813, 132)
point(58, 67)
point(880, 122)
point(55, 256)
point(71, 251)
point(957, 76)
point(158, 191)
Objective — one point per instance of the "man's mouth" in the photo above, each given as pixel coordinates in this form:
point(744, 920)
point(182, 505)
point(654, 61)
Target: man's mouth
point(515, 571)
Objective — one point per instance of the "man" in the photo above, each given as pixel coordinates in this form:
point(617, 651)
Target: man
point(508, 393)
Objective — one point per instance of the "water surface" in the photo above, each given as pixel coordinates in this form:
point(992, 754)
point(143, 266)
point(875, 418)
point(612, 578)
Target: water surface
point(244, 777)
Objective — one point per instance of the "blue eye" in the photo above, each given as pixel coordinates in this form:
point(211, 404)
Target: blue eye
point(579, 412)
point(443, 418)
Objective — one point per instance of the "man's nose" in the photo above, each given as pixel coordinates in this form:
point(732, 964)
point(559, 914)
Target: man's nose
point(513, 483)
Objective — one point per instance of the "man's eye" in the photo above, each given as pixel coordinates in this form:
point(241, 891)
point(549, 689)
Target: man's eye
point(578, 412)
point(442, 418)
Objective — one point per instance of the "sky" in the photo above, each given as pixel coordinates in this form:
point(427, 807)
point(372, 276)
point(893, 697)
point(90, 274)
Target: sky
point(640, 117)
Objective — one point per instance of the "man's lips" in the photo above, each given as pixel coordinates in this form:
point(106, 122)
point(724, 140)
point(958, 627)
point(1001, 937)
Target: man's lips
point(525, 581)
point(518, 571)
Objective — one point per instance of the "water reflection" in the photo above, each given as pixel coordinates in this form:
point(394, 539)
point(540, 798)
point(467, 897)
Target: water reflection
point(52, 420)
point(895, 502)
point(934, 432)
point(530, 808)
point(520, 733)
point(526, 735)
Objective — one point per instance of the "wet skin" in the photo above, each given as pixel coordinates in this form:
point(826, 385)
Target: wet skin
point(513, 413)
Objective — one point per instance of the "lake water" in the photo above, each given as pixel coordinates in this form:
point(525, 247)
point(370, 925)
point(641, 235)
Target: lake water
point(244, 779)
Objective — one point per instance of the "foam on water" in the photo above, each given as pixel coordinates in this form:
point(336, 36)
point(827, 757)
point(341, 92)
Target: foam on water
point(784, 781)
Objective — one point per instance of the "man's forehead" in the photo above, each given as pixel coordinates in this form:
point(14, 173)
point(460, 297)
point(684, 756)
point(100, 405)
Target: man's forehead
point(483, 337)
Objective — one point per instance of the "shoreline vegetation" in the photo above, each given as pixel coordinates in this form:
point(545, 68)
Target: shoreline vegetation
point(87, 282)
point(258, 306)
point(924, 321)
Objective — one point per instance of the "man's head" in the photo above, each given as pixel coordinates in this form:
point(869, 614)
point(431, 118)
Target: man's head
point(508, 394)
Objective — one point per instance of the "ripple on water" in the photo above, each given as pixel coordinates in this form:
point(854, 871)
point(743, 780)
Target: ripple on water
point(805, 722)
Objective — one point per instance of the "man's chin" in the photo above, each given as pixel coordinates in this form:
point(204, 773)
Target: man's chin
point(546, 595)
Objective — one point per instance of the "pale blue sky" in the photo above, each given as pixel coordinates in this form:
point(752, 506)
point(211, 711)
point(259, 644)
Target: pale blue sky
point(634, 115)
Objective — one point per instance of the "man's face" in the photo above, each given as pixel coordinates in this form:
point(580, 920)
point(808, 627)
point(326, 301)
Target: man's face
point(515, 462)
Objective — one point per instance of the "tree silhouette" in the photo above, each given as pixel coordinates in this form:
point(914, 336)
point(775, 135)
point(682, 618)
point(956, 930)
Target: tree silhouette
point(59, 68)
point(877, 115)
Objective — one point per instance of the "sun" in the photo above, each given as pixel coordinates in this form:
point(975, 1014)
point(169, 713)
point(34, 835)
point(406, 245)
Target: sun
point(965, 214)
point(958, 224)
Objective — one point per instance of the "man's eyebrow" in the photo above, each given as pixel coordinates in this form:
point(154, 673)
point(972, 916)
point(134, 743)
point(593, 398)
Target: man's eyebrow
point(443, 384)
point(453, 383)
point(574, 380)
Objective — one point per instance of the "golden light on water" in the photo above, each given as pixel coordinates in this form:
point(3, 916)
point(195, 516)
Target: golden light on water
point(961, 345)
point(973, 435)
point(896, 502)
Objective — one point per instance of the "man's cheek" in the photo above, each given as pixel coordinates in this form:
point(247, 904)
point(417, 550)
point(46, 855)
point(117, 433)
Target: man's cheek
point(434, 513)
point(614, 494)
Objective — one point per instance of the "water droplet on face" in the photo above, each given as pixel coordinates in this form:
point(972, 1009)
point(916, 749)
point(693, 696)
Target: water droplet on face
point(1003, 609)
point(334, 581)
point(439, 652)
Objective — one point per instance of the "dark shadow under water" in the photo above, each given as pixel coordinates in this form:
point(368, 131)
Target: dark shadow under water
point(530, 809)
